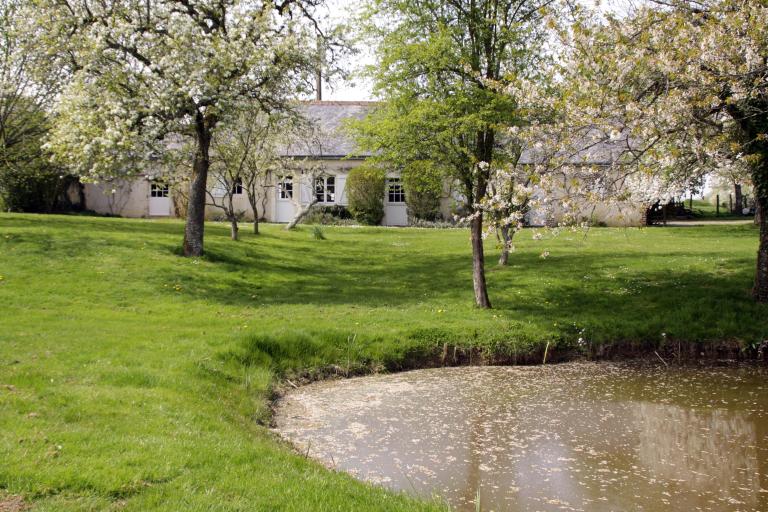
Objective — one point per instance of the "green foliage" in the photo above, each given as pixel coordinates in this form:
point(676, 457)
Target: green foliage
point(28, 87)
point(441, 70)
point(423, 181)
point(365, 192)
point(332, 215)
point(28, 181)
point(30, 188)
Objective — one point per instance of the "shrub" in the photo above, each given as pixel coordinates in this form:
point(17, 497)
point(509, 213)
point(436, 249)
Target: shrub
point(29, 182)
point(365, 191)
point(39, 189)
point(423, 182)
point(334, 215)
point(338, 211)
point(29, 191)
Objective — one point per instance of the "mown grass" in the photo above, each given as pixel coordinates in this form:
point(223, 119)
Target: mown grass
point(134, 379)
point(705, 210)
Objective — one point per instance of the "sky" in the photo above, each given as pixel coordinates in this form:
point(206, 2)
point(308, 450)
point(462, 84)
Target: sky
point(355, 89)
point(359, 89)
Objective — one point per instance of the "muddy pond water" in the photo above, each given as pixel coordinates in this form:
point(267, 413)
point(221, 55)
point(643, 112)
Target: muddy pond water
point(578, 436)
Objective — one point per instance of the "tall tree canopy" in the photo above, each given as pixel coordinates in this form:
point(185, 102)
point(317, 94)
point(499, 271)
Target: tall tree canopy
point(442, 69)
point(677, 88)
point(144, 69)
point(28, 87)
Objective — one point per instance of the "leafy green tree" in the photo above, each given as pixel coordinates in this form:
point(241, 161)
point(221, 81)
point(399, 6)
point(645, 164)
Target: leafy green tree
point(145, 70)
point(28, 181)
point(365, 193)
point(423, 180)
point(442, 69)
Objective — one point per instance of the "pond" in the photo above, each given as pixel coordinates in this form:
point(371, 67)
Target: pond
point(577, 436)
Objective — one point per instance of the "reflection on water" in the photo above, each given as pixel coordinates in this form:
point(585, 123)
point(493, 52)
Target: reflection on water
point(567, 437)
point(711, 451)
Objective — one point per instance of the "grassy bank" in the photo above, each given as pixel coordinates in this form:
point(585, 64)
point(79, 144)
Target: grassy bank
point(134, 379)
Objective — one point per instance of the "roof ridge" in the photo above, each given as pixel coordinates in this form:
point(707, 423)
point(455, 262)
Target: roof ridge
point(340, 103)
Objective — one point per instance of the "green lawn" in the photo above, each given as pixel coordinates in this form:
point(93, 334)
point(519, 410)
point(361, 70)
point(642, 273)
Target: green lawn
point(708, 211)
point(134, 379)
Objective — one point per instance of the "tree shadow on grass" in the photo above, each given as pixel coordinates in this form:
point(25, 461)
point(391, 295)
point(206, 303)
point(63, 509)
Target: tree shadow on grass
point(672, 304)
point(113, 225)
point(606, 294)
point(93, 224)
point(681, 302)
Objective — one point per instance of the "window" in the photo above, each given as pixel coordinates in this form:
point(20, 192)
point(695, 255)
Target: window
point(325, 189)
point(395, 192)
point(285, 188)
point(237, 188)
point(158, 190)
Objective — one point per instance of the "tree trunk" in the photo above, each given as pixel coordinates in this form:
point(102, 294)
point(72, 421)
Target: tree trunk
point(506, 242)
point(760, 290)
point(254, 208)
point(478, 263)
point(738, 199)
point(232, 214)
point(300, 215)
point(195, 224)
point(484, 154)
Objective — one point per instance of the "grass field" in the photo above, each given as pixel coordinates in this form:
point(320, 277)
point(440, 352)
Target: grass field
point(134, 379)
point(706, 210)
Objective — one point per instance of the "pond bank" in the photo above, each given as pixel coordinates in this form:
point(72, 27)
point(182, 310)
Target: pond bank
point(440, 355)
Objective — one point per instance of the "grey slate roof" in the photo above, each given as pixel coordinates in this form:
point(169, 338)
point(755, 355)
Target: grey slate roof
point(601, 153)
point(591, 148)
point(329, 117)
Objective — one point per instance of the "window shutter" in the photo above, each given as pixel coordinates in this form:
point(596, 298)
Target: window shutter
point(305, 195)
point(341, 190)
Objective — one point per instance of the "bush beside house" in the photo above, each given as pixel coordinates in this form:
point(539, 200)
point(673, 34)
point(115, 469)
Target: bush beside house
point(365, 192)
point(423, 183)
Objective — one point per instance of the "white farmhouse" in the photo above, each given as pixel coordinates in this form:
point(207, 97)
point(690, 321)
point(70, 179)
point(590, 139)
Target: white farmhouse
point(149, 196)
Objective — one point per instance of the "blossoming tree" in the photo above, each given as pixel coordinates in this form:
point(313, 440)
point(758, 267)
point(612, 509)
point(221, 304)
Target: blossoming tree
point(142, 70)
point(676, 88)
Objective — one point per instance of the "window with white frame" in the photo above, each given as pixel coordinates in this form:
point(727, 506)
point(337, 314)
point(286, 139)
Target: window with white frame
point(325, 189)
point(237, 187)
point(395, 192)
point(285, 188)
point(159, 190)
